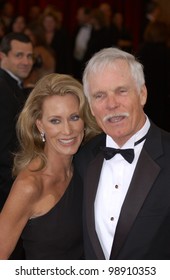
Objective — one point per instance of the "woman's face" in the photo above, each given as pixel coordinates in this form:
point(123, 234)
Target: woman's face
point(49, 23)
point(62, 125)
point(19, 24)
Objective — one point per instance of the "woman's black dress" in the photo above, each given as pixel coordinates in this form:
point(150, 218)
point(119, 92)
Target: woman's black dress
point(57, 235)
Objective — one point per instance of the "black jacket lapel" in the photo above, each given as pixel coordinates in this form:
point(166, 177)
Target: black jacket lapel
point(92, 179)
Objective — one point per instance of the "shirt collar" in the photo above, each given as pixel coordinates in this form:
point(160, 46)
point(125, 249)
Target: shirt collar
point(19, 81)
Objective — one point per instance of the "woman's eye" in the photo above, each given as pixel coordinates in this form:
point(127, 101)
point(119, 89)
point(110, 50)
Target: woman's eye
point(75, 117)
point(55, 121)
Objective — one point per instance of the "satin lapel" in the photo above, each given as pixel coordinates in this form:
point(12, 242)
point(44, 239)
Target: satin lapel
point(145, 174)
point(91, 183)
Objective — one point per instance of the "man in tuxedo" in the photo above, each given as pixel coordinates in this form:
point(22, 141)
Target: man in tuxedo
point(126, 169)
point(16, 60)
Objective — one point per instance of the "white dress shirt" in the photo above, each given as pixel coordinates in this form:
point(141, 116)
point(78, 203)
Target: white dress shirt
point(115, 178)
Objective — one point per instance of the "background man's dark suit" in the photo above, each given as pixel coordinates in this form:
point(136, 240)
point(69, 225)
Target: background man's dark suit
point(143, 230)
point(12, 99)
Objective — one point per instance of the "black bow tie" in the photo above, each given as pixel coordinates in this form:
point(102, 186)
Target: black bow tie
point(128, 154)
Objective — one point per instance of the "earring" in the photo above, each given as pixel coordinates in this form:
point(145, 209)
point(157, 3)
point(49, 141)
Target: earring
point(43, 136)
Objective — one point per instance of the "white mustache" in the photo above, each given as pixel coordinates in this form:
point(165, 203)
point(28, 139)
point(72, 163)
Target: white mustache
point(106, 118)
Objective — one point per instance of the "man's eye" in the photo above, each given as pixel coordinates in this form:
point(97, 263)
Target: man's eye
point(19, 55)
point(98, 95)
point(31, 57)
point(123, 91)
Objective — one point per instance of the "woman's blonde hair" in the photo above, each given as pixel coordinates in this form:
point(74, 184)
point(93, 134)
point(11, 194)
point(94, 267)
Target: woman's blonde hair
point(31, 145)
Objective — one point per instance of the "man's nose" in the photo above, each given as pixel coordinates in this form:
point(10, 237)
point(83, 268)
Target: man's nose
point(111, 101)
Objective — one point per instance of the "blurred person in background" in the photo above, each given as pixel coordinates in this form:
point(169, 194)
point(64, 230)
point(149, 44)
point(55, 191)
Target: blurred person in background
point(57, 39)
point(99, 37)
point(3, 30)
point(7, 12)
point(16, 60)
point(44, 57)
point(106, 9)
point(152, 14)
point(34, 14)
point(17, 24)
point(154, 54)
point(125, 40)
point(80, 38)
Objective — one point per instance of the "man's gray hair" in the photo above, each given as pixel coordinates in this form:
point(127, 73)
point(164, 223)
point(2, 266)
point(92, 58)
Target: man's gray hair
point(107, 57)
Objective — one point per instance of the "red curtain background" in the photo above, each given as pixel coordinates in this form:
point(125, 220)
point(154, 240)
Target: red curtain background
point(131, 9)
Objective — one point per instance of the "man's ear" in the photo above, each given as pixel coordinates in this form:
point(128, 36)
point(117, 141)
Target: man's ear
point(143, 95)
point(91, 109)
point(2, 54)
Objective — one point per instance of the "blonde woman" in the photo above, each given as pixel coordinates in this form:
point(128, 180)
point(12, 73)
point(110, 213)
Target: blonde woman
point(44, 206)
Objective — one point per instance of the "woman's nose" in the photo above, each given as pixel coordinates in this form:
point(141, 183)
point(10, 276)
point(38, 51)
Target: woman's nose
point(67, 129)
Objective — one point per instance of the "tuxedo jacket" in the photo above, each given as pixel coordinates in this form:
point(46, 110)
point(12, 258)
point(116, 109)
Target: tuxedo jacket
point(12, 99)
point(143, 229)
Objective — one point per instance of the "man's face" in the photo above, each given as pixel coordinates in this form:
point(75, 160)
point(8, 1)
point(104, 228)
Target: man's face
point(116, 103)
point(19, 59)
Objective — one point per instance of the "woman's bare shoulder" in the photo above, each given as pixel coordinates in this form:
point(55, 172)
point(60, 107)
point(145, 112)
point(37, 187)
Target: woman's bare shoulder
point(24, 195)
point(28, 185)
